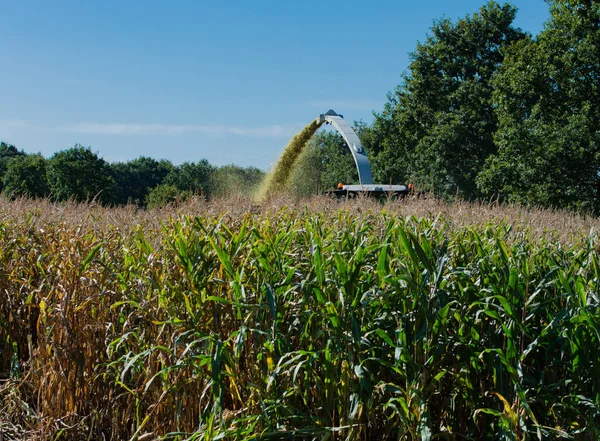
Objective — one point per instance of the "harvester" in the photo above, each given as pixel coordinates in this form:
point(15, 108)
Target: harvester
point(366, 186)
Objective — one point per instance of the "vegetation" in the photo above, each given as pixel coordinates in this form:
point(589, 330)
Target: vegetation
point(22, 177)
point(135, 179)
point(7, 152)
point(79, 174)
point(321, 321)
point(165, 194)
point(547, 93)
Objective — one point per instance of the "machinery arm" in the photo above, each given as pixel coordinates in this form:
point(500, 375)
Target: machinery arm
point(358, 152)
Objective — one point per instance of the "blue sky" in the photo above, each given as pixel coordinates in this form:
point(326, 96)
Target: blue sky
point(185, 80)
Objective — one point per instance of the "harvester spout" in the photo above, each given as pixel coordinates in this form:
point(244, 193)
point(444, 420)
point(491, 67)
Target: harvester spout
point(351, 138)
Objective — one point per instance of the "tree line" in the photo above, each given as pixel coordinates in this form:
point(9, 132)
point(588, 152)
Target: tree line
point(79, 174)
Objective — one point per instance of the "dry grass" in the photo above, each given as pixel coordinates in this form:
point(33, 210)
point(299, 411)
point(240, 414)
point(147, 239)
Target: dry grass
point(561, 225)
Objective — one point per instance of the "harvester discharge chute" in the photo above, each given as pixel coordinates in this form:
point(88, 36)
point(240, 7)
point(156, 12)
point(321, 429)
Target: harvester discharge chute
point(366, 186)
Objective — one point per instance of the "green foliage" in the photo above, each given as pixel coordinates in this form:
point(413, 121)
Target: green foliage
point(547, 93)
point(7, 152)
point(134, 179)
point(437, 127)
point(79, 174)
point(194, 177)
point(164, 194)
point(25, 175)
point(487, 111)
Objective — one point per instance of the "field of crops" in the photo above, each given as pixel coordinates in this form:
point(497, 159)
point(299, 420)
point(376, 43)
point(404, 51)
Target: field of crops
point(417, 320)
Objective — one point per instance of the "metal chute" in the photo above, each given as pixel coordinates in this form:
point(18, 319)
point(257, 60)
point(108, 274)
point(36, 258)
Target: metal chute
point(358, 152)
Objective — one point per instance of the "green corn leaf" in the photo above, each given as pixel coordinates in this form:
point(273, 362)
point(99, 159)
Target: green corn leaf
point(86, 262)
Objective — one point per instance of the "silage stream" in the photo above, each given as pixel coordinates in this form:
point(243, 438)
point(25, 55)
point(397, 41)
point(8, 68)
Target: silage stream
point(276, 180)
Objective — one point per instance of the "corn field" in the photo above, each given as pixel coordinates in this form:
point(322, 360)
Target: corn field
point(317, 321)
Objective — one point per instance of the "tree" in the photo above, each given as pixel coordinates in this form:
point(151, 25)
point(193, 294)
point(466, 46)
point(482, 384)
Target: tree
point(164, 194)
point(7, 152)
point(26, 176)
point(546, 97)
point(194, 177)
point(437, 127)
point(79, 174)
point(134, 179)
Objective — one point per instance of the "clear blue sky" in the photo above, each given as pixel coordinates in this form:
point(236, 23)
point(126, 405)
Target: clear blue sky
point(186, 80)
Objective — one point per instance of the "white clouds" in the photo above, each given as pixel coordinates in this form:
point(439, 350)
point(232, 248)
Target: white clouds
point(341, 105)
point(13, 124)
point(274, 131)
point(12, 129)
point(271, 131)
point(125, 129)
